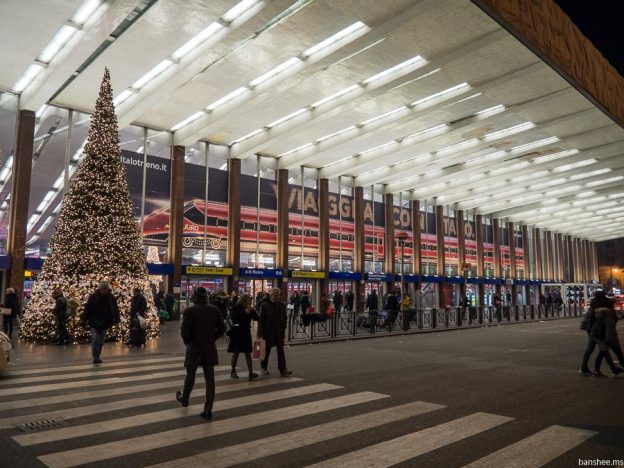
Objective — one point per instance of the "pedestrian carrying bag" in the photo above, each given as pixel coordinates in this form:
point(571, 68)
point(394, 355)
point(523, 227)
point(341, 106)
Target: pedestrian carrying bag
point(586, 321)
point(142, 322)
point(259, 350)
point(5, 311)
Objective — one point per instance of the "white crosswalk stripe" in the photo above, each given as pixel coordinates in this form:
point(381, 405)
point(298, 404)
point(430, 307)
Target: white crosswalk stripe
point(98, 408)
point(95, 373)
point(165, 415)
point(536, 450)
point(105, 365)
point(235, 454)
point(417, 443)
point(200, 431)
point(157, 421)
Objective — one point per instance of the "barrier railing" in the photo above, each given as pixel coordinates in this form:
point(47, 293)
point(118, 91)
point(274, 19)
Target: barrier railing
point(341, 325)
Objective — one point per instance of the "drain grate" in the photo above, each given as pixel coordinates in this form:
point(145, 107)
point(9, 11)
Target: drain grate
point(49, 423)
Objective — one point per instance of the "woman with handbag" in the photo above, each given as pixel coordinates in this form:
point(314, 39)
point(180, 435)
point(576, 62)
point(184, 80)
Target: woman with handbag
point(240, 334)
point(10, 311)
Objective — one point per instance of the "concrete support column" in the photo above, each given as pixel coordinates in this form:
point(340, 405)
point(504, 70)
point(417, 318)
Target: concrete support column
point(498, 267)
point(561, 257)
point(282, 230)
point(461, 248)
point(416, 236)
point(358, 254)
point(480, 237)
point(528, 270)
point(595, 260)
point(176, 219)
point(323, 203)
point(548, 255)
point(389, 249)
point(539, 266)
point(20, 193)
point(568, 252)
point(439, 219)
point(232, 256)
point(511, 240)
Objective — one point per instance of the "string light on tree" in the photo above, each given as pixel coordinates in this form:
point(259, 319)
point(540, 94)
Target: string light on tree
point(96, 238)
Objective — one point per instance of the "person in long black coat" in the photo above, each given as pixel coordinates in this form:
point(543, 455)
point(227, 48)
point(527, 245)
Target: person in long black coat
point(200, 329)
point(242, 315)
point(272, 324)
point(11, 301)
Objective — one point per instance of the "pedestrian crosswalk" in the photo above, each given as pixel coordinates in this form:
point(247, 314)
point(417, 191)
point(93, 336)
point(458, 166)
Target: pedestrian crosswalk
point(125, 410)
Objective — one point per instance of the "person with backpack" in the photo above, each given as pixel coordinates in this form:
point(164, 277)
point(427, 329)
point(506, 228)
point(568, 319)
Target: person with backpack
point(600, 325)
point(101, 313)
point(62, 312)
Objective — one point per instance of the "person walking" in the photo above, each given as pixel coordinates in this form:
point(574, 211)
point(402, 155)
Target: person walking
point(201, 327)
point(338, 300)
point(242, 315)
point(602, 332)
point(372, 304)
point(349, 300)
point(295, 300)
point(272, 328)
point(169, 304)
point(61, 313)
point(12, 302)
point(138, 303)
point(101, 313)
point(305, 302)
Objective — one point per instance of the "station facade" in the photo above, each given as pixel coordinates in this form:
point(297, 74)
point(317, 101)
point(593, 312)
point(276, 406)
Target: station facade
point(225, 223)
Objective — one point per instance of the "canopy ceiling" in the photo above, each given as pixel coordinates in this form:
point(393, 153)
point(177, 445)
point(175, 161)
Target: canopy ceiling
point(431, 97)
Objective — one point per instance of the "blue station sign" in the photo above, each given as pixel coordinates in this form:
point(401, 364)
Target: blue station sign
point(261, 273)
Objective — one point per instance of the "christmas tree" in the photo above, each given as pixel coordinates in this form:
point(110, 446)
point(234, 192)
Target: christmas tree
point(96, 238)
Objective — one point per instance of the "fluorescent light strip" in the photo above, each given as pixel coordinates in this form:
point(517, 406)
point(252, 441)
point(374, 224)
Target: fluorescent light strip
point(282, 67)
point(335, 96)
point(586, 175)
point(567, 167)
point(121, 97)
point(197, 40)
point(560, 191)
point(453, 90)
point(604, 181)
point(508, 131)
point(188, 120)
point(490, 111)
point(239, 9)
point(150, 75)
point(59, 40)
point(288, 117)
point(383, 116)
point(534, 144)
point(335, 134)
point(413, 61)
point(554, 156)
point(487, 157)
point(249, 135)
point(33, 70)
point(462, 145)
point(356, 27)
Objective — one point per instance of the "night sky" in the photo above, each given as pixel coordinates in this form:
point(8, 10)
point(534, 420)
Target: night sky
point(602, 22)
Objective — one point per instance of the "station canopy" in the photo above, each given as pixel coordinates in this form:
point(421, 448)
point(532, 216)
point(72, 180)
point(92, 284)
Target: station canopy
point(431, 98)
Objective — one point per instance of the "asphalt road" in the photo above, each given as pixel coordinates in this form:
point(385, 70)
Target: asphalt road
point(525, 374)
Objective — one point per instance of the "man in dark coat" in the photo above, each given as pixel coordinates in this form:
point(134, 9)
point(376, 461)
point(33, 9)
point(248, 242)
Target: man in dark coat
point(101, 313)
point(138, 303)
point(60, 312)
point(200, 329)
point(272, 328)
